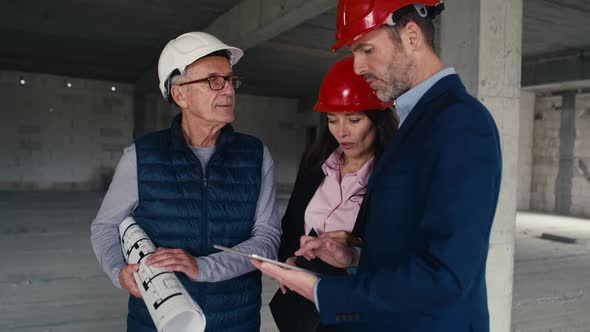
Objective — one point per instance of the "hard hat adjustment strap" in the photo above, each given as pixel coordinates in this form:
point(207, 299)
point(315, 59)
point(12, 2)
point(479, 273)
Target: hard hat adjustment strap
point(424, 11)
point(168, 85)
point(434, 11)
point(421, 9)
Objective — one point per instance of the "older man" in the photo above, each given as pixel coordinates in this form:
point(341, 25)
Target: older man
point(195, 184)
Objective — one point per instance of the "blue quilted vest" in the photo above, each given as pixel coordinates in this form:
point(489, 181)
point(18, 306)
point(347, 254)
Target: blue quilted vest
point(180, 207)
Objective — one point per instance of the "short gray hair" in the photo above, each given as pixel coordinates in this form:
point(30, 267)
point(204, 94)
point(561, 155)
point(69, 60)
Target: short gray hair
point(178, 79)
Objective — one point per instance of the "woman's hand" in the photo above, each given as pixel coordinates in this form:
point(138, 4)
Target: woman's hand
point(344, 238)
point(328, 250)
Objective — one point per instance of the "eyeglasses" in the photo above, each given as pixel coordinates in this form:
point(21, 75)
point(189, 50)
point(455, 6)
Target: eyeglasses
point(217, 82)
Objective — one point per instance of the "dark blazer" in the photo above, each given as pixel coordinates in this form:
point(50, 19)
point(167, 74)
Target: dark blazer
point(292, 224)
point(429, 209)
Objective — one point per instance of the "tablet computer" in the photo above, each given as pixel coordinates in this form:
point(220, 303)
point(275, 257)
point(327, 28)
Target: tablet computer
point(263, 259)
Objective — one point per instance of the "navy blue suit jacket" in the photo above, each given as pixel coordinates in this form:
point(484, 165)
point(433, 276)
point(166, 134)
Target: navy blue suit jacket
point(429, 209)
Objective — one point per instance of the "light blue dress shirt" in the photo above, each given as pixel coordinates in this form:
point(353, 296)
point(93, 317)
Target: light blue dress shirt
point(407, 101)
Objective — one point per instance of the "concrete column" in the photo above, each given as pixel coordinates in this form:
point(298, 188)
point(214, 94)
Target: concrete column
point(525, 149)
point(482, 40)
point(581, 180)
point(567, 139)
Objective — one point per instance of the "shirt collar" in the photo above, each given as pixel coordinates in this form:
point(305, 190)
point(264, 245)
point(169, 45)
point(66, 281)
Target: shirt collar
point(407, 101)
point(331, 167)
point(365, 171)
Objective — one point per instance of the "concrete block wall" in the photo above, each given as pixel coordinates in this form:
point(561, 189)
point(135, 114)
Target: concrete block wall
point(560, 169)
point(581, 163)
point(152, 113)
point(273, 120)
point(308, 122)
point(525, 149)
point(547, 124)
point(55, 137)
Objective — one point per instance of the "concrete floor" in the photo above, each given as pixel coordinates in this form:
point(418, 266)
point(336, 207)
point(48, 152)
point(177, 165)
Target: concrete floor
point(551, 279)
point(50, 280)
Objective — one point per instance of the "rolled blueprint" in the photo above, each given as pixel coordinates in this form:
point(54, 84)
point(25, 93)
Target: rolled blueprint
point(170, 305)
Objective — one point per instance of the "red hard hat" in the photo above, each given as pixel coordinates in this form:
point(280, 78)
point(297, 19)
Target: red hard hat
point(344, 91)
point(355, 18)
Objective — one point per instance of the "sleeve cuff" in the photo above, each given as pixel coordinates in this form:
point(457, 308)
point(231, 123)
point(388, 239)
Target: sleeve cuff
point(351, 270)
point(115, 278)
point(204, 272)
point(315, 294)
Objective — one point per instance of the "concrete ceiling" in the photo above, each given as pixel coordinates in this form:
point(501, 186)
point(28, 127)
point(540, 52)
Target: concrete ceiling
point(104, 39)
point(556, 43)
point(286, 41)
point(555, 26)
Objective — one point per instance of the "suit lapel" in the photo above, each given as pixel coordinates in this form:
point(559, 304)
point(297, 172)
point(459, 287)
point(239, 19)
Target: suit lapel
point(442, 86)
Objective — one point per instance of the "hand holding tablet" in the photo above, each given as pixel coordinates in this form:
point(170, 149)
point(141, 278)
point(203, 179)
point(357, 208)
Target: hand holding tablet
point(263, 259)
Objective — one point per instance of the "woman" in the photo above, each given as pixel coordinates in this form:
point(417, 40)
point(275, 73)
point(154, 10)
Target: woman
point(331, 182)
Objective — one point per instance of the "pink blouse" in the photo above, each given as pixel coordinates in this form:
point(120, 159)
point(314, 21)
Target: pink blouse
point(336, 203)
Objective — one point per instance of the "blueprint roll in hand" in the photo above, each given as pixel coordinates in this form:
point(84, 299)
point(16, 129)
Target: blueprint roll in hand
point(171, 307)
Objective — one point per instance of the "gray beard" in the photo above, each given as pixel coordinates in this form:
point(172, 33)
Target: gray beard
point(396, 86)
point(393, 90)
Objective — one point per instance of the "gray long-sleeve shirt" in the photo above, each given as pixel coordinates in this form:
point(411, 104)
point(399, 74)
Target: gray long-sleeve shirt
point(122, 198)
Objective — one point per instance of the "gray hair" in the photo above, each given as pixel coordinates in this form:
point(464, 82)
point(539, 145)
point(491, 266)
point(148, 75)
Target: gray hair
point(178, 79)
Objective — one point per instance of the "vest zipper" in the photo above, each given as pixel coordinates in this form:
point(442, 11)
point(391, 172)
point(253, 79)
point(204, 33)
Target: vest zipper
point(205, 219)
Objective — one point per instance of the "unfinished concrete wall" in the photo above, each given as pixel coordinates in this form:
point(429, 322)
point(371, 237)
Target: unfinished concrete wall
point(60, 136)
point(309, 123)
point(561, 154)
point(581, 162)
point(273, 121)
point(152, 113)
point(545, 153)
point(525, 150)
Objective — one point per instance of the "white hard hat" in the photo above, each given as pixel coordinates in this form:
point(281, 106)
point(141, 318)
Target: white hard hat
point(186, 49)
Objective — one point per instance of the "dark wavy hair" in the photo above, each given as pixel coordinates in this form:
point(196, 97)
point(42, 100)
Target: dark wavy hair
point(385, 123)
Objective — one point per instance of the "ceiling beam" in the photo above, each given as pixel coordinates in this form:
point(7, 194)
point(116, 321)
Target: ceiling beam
point(556, 68)
point(304, 51)
point(558, 87)
point(71, 67)
point(252, 22)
